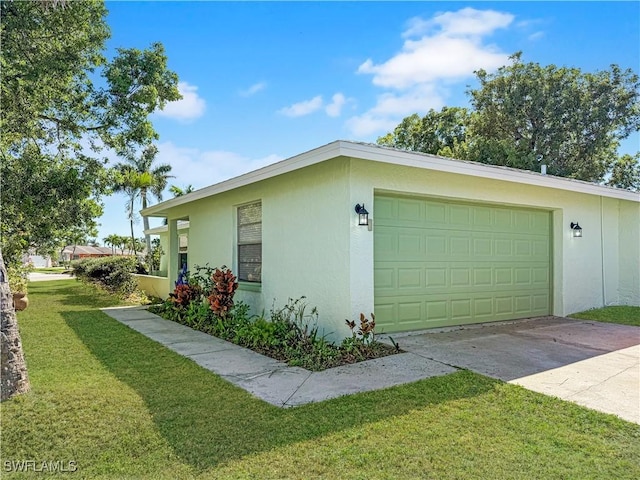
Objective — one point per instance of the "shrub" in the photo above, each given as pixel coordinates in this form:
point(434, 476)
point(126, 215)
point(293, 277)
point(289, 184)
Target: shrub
point(204, 301)
point(114, 274)
point(153, 257)
point(203, 276)
point(224, 288)
point(18, 274)
point(184, 294)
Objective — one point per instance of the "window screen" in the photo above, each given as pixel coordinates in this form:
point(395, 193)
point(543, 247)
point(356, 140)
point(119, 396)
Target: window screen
point(250, 242)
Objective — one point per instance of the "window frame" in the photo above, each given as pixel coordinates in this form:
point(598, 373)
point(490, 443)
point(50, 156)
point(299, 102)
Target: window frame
point(240, 243)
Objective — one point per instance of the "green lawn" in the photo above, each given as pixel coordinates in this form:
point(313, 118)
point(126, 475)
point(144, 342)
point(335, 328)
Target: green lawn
point(50, 270)
point(122, 406)
point(624, 315)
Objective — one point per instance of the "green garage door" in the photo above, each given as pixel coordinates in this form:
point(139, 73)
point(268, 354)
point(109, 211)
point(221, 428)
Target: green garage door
point(439, 263)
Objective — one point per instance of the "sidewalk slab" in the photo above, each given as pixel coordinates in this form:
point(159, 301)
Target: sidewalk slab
point(276, 386)
point(366, 376)
point(271, 380)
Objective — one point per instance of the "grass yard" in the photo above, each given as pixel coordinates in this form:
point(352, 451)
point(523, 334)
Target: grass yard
point(51, 270)
point(624, 315)
point(122, 406)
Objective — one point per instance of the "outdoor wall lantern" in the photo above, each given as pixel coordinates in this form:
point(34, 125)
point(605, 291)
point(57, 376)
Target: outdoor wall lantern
point(576, 229)
point(363, 215)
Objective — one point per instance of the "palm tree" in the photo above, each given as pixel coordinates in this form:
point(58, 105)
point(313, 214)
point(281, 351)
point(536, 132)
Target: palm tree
point(176, 191)
point(139, 177)
point(113, 241)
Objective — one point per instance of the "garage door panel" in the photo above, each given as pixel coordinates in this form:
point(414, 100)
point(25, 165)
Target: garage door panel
point(413, 278)
point(395, 244)
point(428, 311)
point(410, 210)
point(438, 263)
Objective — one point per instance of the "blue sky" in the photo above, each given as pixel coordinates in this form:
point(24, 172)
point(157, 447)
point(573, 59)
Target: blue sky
point(263, 81)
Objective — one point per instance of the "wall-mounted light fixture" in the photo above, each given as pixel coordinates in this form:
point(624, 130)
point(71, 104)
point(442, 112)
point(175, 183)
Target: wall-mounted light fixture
point(576, 229)
point(363, 215)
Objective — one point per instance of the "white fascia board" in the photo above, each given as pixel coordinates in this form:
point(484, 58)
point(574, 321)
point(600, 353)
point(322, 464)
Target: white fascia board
point(462, 167)
point(393, 156)
point(302, 160)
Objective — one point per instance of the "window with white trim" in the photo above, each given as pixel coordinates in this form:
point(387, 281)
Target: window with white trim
point(250, 242)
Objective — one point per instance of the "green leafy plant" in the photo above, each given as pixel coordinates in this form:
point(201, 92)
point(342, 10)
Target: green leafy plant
point(153, 257)
point(114, 274)
point(203, 276)
point(18, 276)
point(289, 333)
point(362, 345)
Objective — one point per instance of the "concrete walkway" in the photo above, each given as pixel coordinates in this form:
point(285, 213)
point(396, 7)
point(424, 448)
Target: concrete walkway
point(590, 363)
point(271, 380)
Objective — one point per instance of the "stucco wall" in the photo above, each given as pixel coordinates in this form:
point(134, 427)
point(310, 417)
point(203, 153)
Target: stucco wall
point(313, 246)
point(578, 279)
point(629, 250)
point(153, 286)
point(305, 239)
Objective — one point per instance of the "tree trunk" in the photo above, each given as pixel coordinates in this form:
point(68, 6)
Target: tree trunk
point(133, 238)
point(145, 223)
point(13, 366)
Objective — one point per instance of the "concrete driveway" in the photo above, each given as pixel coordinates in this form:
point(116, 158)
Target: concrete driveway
point(593, 364)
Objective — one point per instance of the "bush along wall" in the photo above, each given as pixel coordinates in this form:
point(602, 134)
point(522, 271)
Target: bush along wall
point(114, 274)
point(203, 300)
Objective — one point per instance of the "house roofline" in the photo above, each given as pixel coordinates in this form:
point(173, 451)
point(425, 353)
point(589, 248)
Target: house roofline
point(182, 225)
point(377, 153)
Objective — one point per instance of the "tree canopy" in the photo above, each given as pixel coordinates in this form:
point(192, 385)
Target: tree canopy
point(525, 115)
point(63, 102)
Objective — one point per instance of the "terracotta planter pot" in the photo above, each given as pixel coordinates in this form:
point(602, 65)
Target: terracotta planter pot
point(20, 301)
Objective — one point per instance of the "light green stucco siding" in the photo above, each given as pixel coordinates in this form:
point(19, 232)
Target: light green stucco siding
point(439, 263)
point(313, 246)
point(305, 240)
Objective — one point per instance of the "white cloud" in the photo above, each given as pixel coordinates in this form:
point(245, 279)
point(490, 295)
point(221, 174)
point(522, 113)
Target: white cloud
point(335, 107)
point(253, 89)
point(202, 168)
point(431, 59)
point(390, 107)
point(370, 123)
point(307, 107)
point(436, 52)
point(190, 107)
point(421, 98)
point(536, 35)
point(303, 108)
point(465, 22)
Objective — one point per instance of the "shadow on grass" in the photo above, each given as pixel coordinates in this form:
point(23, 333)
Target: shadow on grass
point(208, 421)
point(73, 292)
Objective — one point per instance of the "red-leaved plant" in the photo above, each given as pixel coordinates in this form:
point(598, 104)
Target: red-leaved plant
point(224, 287)
point(184, 294)
point(366, 329)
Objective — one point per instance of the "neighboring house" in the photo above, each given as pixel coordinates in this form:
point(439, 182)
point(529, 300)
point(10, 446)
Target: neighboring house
point(35, 260)
point(76, 252)
point(447, 242)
